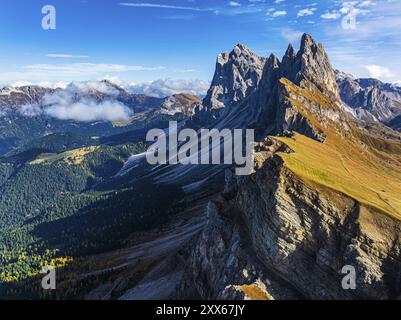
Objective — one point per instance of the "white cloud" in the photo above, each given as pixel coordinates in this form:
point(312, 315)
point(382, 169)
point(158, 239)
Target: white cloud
point(31, 110)
point(278, 1)
point(75, 103)
point(44, 84)
point(168, 87)
point(367, 3)
point(86, 68)
point(331, 15)
point(84, 87)
point(379, 72)
point(89, 111)
point(279, 13)
point(291, 36)
point(68, 72)
point(233, 7)
point(306, 12)
point(234, 4)
point(21, 84)
point(65, 56)
point(160, 6)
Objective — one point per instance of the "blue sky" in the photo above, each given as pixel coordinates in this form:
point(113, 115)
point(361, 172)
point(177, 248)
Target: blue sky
point(138, 41)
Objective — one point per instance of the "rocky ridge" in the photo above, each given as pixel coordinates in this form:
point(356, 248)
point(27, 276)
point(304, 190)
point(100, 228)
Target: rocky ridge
point(287, 230)
point(371, 99)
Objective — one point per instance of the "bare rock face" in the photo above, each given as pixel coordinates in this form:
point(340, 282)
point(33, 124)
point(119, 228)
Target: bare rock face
point(310, 65)
point(372, 100)
point(273, 235)
point(12, 97)
point(247, 90)
point(180, 103)
point(307, 237)
point(237, 75)
point(270, 236)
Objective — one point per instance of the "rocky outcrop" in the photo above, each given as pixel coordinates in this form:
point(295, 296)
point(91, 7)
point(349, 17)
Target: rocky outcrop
point(262, 105)
point(277, 235)
point(371, 100)
point(237, 75)
point(13, 97)
point(180, 103)
point(310, 66)
point(271, 236)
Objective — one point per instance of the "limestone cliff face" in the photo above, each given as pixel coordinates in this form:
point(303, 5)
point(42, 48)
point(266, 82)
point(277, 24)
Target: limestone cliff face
point(284, 233)
point(237, 75)
point(248, 90)
point(270, 236)
point(311, 64)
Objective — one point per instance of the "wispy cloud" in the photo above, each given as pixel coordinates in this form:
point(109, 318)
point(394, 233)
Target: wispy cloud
point(379, 72)
point(279, 13)
point(54, 72)
point(162, 6)
point(375, 38)
point(88, 68)
point(331, 15)
point(354, 8)
point(66, 56)
point(306, 12)
point(292, 36)
point(231, 8)
point(234, 4)
point(167, 87)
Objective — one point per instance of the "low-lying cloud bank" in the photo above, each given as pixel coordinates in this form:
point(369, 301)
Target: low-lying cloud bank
point(87, 110)
point(91, 101)
point(167, 87)
point(67, 105)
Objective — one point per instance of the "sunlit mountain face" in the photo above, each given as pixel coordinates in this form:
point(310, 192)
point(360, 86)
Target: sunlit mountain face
point(87, 213)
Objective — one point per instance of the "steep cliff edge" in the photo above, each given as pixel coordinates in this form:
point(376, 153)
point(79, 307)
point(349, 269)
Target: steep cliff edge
point(324, 195)
point(273, 235)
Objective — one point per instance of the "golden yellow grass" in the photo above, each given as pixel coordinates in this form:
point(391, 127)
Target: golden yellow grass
point(73, 157)
point(253, 292)
point(365, 168)
point(345, 167)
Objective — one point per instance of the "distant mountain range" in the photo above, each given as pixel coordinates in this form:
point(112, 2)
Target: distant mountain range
point(325, 192)
point(371, 99)
point(30, 112)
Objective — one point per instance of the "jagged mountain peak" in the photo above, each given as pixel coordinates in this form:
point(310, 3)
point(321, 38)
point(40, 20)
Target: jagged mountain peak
point(307, 43)
point(272, 59)
point(290, 52)
point(241, 74)
point(239, 51)
point(241, 48)
point(237, 74)
point(312, 65)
